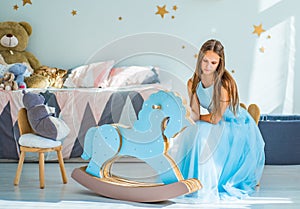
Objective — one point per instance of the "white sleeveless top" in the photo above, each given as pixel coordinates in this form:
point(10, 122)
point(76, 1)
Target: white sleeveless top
point(205, 95)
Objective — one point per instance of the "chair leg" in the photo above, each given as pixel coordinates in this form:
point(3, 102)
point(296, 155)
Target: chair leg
point(42, 169)
point(62, 167)
point(19, 169)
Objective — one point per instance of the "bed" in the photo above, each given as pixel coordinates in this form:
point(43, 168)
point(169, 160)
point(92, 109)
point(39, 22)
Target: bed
point(84, 107)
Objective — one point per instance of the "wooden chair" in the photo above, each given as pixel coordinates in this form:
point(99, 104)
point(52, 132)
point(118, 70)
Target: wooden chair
point(27, 132)
point(253, 110)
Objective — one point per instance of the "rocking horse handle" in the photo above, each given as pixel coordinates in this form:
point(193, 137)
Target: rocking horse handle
point(156, 107)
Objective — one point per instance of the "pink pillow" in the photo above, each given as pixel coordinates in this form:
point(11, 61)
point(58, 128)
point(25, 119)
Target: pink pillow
point(132, 75)
point(91, 75)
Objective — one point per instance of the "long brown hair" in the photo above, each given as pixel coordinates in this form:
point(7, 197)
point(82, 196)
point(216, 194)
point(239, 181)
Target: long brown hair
point(222, 78)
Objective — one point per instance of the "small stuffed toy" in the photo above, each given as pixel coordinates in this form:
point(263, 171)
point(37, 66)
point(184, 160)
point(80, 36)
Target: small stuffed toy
point(42, 117)
point(7, 82)
point(56, 76)
point(19, 71)
point(37, 81)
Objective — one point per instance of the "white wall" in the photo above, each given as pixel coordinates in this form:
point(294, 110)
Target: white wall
point(269, 78)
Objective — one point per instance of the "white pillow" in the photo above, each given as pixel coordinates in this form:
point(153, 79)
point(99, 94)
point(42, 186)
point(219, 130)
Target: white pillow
point(87, 76)
point(132, 75)
point(33, 140)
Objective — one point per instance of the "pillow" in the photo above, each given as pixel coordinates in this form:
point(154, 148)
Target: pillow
point(87, 76)
point(132, 75)
point(42, 118)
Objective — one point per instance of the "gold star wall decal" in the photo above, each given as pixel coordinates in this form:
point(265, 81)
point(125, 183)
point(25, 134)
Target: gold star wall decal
point(16, 7)
point(161, 11)
point(26, 2)
point(258, 29)
point(74, 12)
point(175, 7)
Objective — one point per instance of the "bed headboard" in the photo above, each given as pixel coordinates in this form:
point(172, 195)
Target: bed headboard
point(175, 57)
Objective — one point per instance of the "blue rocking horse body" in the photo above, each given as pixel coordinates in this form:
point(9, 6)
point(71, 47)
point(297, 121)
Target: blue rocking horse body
point(163, 117)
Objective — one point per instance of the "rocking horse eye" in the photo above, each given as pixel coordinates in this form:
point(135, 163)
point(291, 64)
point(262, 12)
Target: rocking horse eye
point(167, 120)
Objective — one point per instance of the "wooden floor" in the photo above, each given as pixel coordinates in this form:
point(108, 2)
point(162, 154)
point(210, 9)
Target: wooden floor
point(280, 188)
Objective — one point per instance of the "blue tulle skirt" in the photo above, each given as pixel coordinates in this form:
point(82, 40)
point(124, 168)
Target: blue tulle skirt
point(228, 158)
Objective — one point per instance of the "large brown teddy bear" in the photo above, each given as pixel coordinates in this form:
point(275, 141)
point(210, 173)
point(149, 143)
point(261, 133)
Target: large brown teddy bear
point(14, 38)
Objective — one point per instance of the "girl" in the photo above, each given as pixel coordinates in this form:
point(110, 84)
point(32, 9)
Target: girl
point(228, 154)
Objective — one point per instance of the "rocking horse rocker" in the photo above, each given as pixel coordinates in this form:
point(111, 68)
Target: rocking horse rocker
point(162, 121)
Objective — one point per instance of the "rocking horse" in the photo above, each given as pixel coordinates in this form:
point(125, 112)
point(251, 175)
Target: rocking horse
point(162, 120)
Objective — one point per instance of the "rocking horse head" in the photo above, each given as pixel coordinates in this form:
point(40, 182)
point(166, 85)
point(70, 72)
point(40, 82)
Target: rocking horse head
point(173, 108)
